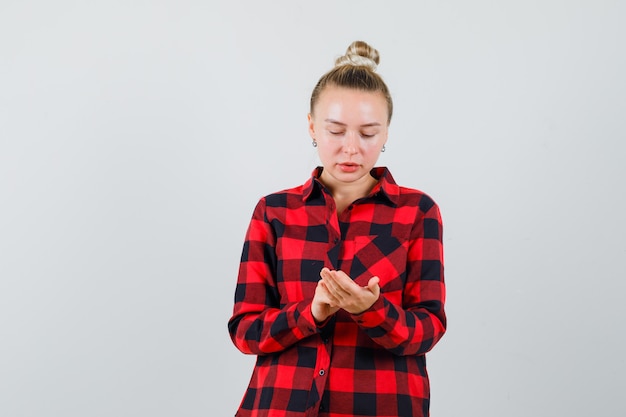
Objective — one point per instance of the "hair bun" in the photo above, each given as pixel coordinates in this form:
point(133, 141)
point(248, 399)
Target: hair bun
point(359, 54)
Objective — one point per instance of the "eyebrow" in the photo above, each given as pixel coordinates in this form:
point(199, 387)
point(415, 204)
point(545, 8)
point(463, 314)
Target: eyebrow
point(335, 122)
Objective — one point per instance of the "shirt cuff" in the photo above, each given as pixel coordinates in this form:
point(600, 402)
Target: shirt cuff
point(308, 321)
point(373, 316)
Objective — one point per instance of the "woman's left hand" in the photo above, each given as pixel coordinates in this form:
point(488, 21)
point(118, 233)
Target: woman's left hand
point(347, 294)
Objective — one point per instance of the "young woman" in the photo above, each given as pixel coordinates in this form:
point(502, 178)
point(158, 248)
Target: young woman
point(341, 290)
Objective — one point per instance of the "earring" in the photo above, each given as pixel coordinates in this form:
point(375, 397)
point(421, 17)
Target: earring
point(383, 149)
point(314, 143)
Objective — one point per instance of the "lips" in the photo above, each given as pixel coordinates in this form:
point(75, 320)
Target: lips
point(348, 166)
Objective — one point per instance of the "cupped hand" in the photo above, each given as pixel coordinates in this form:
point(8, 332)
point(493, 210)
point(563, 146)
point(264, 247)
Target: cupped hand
point(341, 291)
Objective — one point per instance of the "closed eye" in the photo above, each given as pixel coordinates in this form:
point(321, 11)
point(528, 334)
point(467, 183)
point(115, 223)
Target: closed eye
point(369, 134)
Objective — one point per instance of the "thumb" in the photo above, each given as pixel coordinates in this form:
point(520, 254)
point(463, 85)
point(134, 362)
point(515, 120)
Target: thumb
point(373, 286)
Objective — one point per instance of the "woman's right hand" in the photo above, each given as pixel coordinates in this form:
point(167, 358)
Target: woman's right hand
point(320, 307)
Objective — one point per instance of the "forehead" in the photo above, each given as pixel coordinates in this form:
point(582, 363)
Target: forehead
point(347, 104)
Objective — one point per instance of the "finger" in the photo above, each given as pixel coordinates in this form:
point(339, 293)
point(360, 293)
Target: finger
point(331, 298)
point(333, 291)
point(344, 283)
point(325, 272)
point(336, 286)
point(373, 282)
point(328, 277)
point(373, 286)
point(324, 296)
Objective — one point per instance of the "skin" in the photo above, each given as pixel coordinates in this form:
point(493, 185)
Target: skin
point(350, 128)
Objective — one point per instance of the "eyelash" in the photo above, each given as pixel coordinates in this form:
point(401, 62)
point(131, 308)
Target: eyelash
point(341, 133)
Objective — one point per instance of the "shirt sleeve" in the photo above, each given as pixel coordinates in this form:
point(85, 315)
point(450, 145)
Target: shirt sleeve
point(259, 324)
point(420, 322)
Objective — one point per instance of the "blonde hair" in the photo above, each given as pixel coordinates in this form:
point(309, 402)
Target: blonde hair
point(356, 70)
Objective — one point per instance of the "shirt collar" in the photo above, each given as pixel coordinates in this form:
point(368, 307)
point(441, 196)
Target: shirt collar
point(386, 187)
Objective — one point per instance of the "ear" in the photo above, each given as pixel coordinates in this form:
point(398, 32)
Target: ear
point(311, 126)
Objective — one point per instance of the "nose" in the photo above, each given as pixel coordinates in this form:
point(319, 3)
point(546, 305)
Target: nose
point(351, 144)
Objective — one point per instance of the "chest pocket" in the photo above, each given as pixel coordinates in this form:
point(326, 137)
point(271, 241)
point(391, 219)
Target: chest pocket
point(381, 256)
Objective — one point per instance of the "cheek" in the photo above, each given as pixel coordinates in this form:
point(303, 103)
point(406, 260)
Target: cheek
point(326, 154)
point(371, 146)
point(329, 146)
point(372, 152)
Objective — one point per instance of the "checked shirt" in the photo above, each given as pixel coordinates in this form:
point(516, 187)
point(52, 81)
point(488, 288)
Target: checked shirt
point(369, 364)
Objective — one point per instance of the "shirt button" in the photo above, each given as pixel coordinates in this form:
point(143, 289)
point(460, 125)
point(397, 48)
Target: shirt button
point(336, 240)
point(322, 372)
point(326, 341)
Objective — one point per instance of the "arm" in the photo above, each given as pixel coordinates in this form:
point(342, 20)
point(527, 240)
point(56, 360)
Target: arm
point(259, 324)
point(417, 325)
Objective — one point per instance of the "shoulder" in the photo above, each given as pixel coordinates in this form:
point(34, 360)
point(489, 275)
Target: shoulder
point(284, 198)
point(402, 196)
point(415, 197)
point(276, 205)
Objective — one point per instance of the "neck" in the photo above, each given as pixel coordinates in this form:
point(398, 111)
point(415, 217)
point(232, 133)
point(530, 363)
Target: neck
point(349, 192)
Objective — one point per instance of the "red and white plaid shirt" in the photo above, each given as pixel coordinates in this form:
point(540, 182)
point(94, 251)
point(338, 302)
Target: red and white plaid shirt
point(369, 364)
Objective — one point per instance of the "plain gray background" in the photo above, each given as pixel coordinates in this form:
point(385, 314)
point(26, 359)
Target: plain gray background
point(136, 137)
